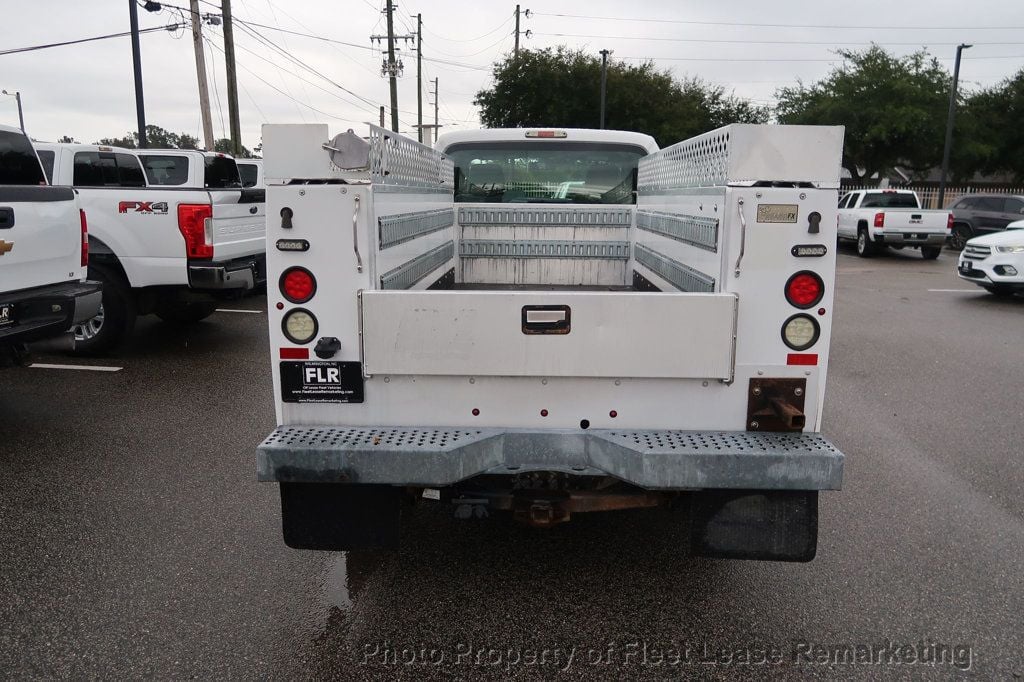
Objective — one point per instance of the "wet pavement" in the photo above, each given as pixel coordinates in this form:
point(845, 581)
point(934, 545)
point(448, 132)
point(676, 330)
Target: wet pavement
point(135, 540)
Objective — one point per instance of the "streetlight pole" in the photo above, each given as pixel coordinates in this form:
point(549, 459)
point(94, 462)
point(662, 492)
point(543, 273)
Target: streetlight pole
point(949, 126)
point(604, 81)
point(21, 117)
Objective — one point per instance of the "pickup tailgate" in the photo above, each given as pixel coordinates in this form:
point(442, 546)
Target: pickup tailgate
point(915, 220)
point(580, 334)
point(40, 236)
point(239, 223)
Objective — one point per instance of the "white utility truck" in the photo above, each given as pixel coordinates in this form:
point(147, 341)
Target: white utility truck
point(877, 218)
point(170, 234)
point(551, 322)
point(43, 254)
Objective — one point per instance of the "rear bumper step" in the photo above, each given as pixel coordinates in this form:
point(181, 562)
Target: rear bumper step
point(658, 460)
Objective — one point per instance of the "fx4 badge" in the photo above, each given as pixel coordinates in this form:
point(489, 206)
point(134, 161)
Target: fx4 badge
point(5, 247)
point(158, 207)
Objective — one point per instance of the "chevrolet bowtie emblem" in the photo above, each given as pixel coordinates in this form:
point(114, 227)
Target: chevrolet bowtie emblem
point(5, 246)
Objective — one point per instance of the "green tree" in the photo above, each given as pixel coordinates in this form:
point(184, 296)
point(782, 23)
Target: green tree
point(561, 87)
point(894, 109)
point(995, 139)
point(224, 146)
point(66, 139)
point(156, 137)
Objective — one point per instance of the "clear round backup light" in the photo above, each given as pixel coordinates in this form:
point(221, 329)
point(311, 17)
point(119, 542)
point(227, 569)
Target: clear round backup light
point(800, 332)
point(299, 325)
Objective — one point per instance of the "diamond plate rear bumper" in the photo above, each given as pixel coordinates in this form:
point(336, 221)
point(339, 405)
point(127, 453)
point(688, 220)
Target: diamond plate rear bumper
point(665, 460)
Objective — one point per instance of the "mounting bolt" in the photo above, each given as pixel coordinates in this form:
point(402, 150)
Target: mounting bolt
point(754, 425)
point(798, 391)
point(803, 195)
point(302, 192)
point(472, 380)
point(757, 390)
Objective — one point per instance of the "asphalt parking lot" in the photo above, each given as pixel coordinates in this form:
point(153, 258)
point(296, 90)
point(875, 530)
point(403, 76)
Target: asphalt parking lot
point(135, 540)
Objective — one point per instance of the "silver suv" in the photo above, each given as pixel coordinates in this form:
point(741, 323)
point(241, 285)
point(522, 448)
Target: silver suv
point(976, 214)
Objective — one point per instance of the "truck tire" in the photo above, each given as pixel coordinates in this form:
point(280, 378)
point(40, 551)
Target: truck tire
point(181, 312)
point(116, 317)
point(930, 252)
point(961, 233)
point(865, 249)
point(339, 516)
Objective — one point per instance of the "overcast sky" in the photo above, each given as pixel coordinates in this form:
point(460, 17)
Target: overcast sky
point(751, 47)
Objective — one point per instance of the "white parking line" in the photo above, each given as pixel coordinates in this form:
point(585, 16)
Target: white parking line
point(957, 291)
point(91, 368)
point(238, 310)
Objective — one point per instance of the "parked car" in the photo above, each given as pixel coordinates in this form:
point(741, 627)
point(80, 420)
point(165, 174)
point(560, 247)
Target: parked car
point(251, 171)
point(876, 218)
point(995, 261)
point(978, 214)
point(44, 251)
point(170, 234)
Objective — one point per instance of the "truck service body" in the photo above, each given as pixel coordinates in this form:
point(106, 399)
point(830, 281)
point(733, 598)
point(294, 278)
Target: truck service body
point(504, 324)
point(43, 254)
point(171, 230)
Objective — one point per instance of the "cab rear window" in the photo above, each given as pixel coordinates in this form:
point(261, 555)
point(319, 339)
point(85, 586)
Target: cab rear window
point(222, 173)
point(165, 170)
point(107, 169)
point(19, 164)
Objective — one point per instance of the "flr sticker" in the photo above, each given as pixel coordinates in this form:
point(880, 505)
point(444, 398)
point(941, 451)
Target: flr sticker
point(777, 213)
point(321, 381)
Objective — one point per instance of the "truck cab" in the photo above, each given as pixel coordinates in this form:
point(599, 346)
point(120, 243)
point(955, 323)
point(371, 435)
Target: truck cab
point(548, 322)
point(44, 252)
point(172, 232)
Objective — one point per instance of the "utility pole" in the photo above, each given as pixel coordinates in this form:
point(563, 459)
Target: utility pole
point(392, 68)
point(17, 98)
point(435, 103)
point(604, 82)
point(229, 64)
point(382, 116)
point(204, 92)
point(419, 76)
point(949, 126)
point(140, 107)
point(527, 15)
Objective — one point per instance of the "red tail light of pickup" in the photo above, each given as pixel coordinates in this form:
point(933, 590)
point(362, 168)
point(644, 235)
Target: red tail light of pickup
point(879, 220)
point(85, 237)
point(193, 223)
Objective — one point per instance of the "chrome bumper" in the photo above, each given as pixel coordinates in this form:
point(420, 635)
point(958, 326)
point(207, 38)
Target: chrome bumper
point(665, 460)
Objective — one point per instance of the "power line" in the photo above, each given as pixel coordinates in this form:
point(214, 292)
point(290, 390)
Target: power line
point(745, 42)
point(470, 40)
point(16, 50)
point(732, 23)
point(772, 59)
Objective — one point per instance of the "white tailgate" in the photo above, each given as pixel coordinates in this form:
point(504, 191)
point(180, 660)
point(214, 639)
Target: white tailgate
point(239, 223)
point(44, 243)
point(612, 334)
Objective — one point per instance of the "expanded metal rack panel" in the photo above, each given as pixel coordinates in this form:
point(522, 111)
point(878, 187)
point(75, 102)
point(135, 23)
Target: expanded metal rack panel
point(744, 154)
point(547, 217)
point(683, 277)
point(535, 248)
point(698, 231)
point(398, 160)
point(397, 229)
point(407, 274)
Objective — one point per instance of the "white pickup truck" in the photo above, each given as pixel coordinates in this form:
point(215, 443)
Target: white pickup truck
point(43, 254)
point(170, 234)
point(877, 218)
point(541, 323)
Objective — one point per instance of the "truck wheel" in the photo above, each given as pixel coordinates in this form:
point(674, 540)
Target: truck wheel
point(865, 249)
point(961, 233)
point(179, 312)
point(930, 252)
point(1000, 291)
point(340, 516)
point(115, 319)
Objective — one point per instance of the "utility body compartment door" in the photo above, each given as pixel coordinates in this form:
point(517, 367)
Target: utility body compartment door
point(515, 333)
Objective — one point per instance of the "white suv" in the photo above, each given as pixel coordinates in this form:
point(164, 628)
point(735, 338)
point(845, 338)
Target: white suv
point(995, 261)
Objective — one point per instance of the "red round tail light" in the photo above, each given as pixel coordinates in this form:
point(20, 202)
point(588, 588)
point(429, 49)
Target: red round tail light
point(804, 289)
point(297, 284)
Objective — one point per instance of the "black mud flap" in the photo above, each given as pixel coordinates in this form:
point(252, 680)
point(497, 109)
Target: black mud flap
point(338, 517)
point(767, 525)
